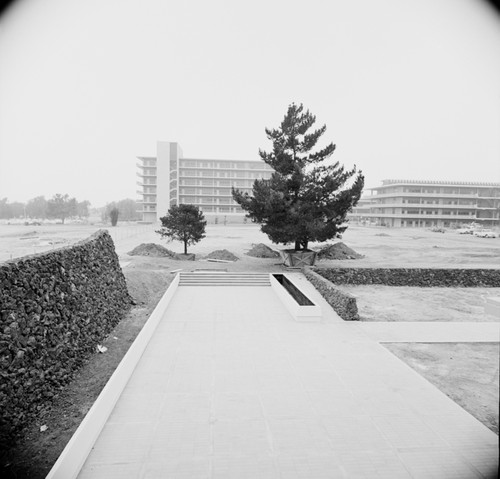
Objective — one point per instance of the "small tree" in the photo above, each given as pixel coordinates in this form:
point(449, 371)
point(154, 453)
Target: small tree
point(304, 200)
point(184, 223)
point(61, 206)
point(113, 215)
point(37, 207)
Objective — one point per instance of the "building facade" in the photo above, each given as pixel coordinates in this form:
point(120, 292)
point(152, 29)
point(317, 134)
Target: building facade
point(170, 179)
point(447, 204)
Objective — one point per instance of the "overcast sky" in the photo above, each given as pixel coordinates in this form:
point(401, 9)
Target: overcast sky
point(408, 89)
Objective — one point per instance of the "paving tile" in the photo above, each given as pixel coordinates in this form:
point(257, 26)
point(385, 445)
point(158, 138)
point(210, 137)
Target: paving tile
point(299, 436)
point(426, 463)
point(407, 431)
point(185, 406)
point(374, 464)
point(226, 362)
point(300, 466)
point(241, 438)
point(137, 406)
point(235, 381)
point(181, 438)
point(428, 400)
point(156, 365)
point(121, 443)
point(482, 459)
point(355, 433)
point(245, 467)
point(461, 431)
point(296, 404)
point(279, 381)
point(385, 402)
point(234, 406)
point(320, 379)
point(112, 471)
point(335, 403)
point(177, 468)
point(192, 382)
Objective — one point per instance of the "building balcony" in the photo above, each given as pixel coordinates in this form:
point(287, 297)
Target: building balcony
point(422, 195)
point(411, 216)
point(141, 165)
point(139, 183)
point(426, 206)
point(145, 175)
point(227, 167)
point(421, 205)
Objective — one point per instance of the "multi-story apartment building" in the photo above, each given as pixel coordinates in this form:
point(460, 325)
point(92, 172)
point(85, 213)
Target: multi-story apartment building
point(170, 179)
point(411, 203)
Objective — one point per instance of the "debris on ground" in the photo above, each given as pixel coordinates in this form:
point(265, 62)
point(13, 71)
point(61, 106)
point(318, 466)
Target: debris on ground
point(222, 254)
point(262, 251)
point(30, 233)
point(338, 251)
point(101, 348)
point(151, 249)
point(382, 234)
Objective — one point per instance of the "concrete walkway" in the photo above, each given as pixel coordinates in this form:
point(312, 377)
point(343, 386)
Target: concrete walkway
point(230, 386)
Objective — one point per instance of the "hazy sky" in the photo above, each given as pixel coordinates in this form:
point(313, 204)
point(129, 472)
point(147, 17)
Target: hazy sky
point(407, 88)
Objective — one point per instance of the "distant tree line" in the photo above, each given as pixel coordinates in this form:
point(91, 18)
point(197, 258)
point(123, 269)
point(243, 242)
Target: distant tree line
point(125, 210)
point(58, 207)
point(62, 207)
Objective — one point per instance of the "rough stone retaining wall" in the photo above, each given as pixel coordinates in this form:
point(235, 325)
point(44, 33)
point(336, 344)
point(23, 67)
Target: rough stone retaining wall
point(342, 303)
point(422, 277)
point(55, 308)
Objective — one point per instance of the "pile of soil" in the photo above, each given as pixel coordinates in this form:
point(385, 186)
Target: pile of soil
point(223, 254)
point(151, 249)
point(338, 251)
point(262, 251)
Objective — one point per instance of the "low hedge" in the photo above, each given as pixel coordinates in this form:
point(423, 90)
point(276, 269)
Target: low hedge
point(342, 303)
point(55, 308)
point(421, 277)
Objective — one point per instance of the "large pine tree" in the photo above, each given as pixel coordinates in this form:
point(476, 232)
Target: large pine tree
point(305, 200)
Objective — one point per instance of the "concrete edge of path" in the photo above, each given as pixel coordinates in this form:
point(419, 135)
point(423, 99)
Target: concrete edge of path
point(432, 332)
point(71, 460)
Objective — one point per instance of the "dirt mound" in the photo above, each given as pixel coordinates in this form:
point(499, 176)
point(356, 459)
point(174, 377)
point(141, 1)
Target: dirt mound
point(223, 254)
point(338, 251)
point(262, 251)
point(151, 249)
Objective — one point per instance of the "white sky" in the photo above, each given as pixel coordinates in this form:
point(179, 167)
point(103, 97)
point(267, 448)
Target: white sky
point(408, 89)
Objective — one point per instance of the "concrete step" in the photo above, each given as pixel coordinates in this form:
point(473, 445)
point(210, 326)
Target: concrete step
point(224, 279)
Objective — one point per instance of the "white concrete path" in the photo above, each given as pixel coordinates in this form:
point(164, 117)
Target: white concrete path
point(230, 386)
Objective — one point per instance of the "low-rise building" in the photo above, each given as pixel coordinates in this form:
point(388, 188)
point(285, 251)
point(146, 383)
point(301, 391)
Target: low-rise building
point(414, 203)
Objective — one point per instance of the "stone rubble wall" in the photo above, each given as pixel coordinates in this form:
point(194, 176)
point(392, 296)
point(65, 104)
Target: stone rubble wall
point(421, 277)
point(342, 303)
point(55, 308)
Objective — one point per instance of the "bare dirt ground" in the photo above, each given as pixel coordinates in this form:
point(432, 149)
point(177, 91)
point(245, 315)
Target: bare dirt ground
point(148, 278)
point(405, 303)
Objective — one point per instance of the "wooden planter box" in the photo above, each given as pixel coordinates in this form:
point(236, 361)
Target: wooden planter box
point(298, 258)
